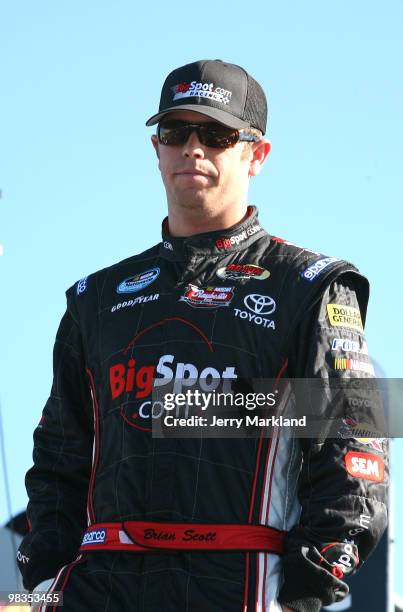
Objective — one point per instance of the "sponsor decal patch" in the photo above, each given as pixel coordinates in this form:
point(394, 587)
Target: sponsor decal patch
point(137, 282)
point(82, 285)
point(317, 268)
point(168, 245)
point(352, 429)
point(242, 271)
point(208, 297)
point(226, 242)
point(258, 306)
point(253, 318)
point(130, 378)
point(374, 443)
point(343, 555)
point(141, 299)
point(344, 363)
point(344, 316)
point(349, 346)
point(96, 536)
point(138, 372)
point(365, 465)
point(201, 90)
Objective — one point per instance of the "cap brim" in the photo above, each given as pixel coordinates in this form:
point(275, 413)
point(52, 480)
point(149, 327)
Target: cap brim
point(214, 113)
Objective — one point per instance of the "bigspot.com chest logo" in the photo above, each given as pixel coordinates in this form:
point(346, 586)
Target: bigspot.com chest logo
point(201, 90)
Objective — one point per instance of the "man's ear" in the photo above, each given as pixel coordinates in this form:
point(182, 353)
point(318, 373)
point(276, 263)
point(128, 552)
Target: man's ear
point(155, 142)
point(261, 150)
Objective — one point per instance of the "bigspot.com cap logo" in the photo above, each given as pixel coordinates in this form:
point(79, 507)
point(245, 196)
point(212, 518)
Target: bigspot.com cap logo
point(201, 90)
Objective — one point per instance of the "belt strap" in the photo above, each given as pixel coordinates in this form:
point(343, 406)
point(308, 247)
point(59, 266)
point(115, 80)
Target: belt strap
point(151, 536)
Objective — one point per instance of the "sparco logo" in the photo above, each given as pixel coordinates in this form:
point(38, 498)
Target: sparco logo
point(97, 536)
point(317, 268)
point(258, 305)
point(228, 242)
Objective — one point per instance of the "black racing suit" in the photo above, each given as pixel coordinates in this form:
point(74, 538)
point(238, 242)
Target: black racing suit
point(245, 305)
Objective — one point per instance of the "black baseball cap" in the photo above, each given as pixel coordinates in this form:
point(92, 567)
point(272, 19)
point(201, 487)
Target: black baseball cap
point(225, 92)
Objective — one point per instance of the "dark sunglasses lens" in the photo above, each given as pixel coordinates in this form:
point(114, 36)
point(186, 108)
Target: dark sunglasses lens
point(218, 136)
point(172, 133)
point(210, 134)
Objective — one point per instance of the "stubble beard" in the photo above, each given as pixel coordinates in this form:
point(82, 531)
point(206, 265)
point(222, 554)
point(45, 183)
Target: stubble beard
point(199, 203)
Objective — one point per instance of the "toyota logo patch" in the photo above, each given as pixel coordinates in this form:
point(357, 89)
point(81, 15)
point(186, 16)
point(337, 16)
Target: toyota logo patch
point(260, 304)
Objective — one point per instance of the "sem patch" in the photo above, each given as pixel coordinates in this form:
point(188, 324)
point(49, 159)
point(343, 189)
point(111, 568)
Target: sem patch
point(365, 465)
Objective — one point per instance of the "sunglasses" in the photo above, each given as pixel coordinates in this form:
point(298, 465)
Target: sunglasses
point(216, 135)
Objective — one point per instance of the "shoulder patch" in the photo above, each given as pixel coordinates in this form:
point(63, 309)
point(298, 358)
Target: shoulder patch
point(81, 285)
point(316, 268)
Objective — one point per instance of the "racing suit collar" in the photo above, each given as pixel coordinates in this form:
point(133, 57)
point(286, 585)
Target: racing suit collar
point(220, 242)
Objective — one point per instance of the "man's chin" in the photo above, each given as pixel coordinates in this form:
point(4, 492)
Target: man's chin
point(191, 198)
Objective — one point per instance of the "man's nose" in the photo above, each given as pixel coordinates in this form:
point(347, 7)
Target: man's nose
point(193, 146)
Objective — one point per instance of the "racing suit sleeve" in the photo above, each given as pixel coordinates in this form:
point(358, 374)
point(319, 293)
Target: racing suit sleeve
point(57, 483)
point(343, 509)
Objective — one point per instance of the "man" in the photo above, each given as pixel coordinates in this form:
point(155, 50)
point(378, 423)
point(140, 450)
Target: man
point(202, 524)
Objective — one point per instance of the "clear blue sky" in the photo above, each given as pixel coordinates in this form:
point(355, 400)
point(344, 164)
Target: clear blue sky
point(80, 185)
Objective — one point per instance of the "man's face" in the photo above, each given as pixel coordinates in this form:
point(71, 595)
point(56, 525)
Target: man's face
point(204, 178)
